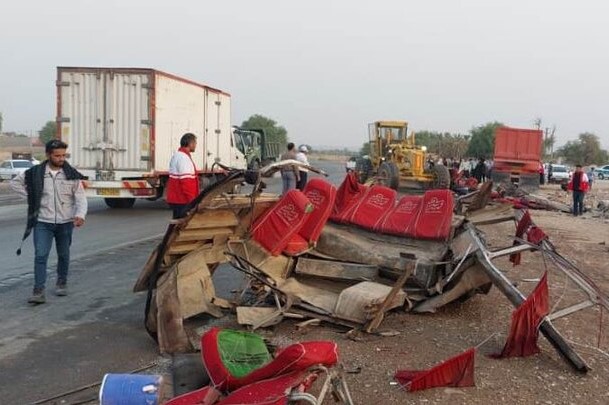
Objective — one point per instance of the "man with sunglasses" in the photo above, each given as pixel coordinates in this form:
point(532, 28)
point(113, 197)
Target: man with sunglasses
point(56, 204)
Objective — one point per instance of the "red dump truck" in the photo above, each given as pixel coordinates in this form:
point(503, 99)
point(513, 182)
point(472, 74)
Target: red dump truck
point(517, 156)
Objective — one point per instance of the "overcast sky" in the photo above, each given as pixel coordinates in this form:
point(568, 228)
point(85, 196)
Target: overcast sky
point(324, 69)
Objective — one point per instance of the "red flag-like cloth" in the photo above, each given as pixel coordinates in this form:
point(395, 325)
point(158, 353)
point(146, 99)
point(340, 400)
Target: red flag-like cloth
point(457, 371)
point(522, 227)
point(524, 332)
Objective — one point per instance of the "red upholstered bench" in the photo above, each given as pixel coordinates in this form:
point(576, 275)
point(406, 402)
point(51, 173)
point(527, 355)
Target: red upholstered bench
point(373, 207)
point(275, 227)
point(435, 216)
point(347, 197)
point(322, 195)
point(234, 359)
point(402, 218)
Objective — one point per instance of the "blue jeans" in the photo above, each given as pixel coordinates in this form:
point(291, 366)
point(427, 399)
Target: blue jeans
point(578, 202)
point(44, 234)
point(289, 181)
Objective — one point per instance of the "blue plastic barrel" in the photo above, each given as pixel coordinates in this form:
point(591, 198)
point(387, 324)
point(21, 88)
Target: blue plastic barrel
point(130, 389)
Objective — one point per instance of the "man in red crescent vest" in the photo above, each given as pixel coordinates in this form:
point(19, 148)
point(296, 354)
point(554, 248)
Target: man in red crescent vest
point(183, 184)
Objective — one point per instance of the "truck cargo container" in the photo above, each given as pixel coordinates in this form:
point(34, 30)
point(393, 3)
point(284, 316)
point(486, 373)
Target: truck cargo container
point(123, 125)
point(517, 156)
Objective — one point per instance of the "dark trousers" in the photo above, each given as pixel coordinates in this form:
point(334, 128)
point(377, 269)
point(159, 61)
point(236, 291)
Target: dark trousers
point(303, 181)
point(44, 233)
point(179, 210)
point(578, 202)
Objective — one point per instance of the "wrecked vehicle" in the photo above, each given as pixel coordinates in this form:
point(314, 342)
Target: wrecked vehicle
point(341, 255)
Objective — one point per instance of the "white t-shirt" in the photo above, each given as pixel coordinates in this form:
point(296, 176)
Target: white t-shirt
point(302, 157)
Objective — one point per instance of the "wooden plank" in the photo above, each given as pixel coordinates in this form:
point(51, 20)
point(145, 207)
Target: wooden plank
point(213, 219)
point(350, 244)
point(184, 247)
point(202, 234)
point(195, 287)
point(357, 303)
point(335, 270)
point(172, 336)
point(232, 201)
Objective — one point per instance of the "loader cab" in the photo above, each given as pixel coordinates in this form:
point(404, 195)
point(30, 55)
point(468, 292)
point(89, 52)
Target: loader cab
point(382, 134)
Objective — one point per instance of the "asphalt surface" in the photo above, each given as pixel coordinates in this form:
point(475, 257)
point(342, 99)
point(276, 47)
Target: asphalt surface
point(73, 341)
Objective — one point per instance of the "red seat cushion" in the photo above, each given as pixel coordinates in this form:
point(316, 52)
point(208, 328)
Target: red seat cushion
point(348, 195)
point(402, 218)
point(274, 391)
point(296, 357)
point(373, 207)
point(274, 229)
point(296, 245)
point(435, 216)
point(322, 195)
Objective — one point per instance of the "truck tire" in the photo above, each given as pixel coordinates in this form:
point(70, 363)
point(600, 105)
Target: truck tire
point(601, 176)
point(119, 202)
point(441, 177)
point(389, 175)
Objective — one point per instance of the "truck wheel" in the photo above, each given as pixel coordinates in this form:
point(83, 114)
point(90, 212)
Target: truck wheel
point(441, 177)
point(529, 182)
point(499, 178)
point(601, 176)
point(119, 202)
point(389, 175)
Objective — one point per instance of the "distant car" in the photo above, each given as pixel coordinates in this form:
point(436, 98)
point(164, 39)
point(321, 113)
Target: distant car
point(12, 168)
point(602, 172)
point(560, 174)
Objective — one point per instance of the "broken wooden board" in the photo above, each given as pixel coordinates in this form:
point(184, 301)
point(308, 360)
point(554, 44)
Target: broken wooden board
point(259, 317)
point(321, 299)
point(213, 219)
point(491, 215)
point(358, 303)
point(172, 337)
point(195, 287)
point(335, 270)
point(482, 198)
point(350, 244)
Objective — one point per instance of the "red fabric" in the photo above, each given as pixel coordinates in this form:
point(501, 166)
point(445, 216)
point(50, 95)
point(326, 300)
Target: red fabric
point(348, 195)
point(322, 195)
point(521, 228)
point(401, 219)
point(372, 209)
point(457, 371)
point(275, 228)
point(522, 340)
point(584, 185)
point(274, 391)
point(204, 396)
point(536, 235)
point(435, 216)
point(183, 190)
point(296, 357)
point(296, 245)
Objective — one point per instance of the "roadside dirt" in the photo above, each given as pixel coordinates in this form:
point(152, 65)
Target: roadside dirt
point(425, 340)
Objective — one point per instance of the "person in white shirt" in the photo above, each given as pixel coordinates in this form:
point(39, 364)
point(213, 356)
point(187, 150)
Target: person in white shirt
point(301, 156)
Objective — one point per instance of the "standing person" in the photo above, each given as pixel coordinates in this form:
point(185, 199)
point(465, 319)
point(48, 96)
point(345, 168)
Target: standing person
point(56, 204)
point(183, 184)
point(290, 175)
point(578, 185)
point(479, 171)
point(301, 156)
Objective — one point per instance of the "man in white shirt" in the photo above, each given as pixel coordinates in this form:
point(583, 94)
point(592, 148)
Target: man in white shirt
point(301, 156)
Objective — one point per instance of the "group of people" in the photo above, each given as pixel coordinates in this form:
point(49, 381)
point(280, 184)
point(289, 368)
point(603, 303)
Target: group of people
point(480, 168)
point(295, 176)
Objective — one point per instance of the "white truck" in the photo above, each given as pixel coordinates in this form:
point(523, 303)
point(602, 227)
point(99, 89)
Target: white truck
point(122, 126)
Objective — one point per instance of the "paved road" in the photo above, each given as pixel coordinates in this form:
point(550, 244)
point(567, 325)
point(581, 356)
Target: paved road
point(72, 341)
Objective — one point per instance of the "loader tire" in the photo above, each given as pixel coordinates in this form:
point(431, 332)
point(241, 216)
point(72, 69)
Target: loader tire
point(389, 175)
point(441, 177)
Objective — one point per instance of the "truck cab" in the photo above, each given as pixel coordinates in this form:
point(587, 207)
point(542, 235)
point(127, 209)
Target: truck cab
point(253, 144)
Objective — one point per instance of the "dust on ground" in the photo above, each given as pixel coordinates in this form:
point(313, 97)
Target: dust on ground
point(427, 339)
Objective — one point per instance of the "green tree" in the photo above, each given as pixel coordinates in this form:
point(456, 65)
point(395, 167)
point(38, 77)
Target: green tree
point(47, 132)
point(274, 132)
point(482, 140)
point(365, 150)
point(586, 150)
